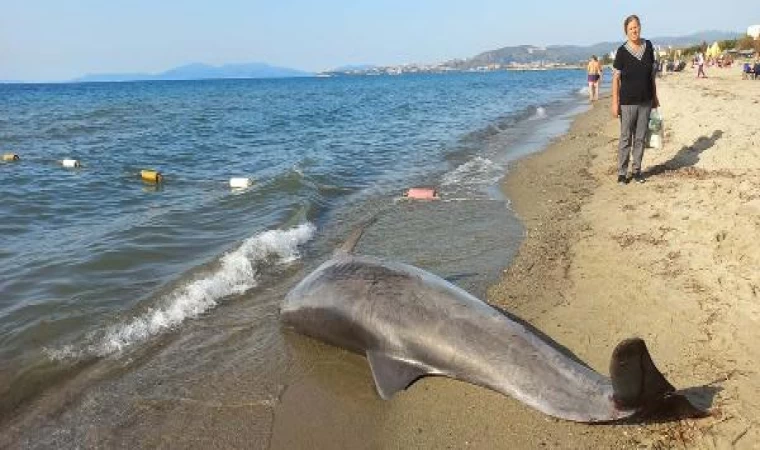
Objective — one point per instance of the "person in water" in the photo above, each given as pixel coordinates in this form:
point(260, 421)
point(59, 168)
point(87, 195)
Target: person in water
point(594, 76)
point(634, 95)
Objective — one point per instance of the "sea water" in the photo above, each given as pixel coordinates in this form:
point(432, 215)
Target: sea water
point(99, 269)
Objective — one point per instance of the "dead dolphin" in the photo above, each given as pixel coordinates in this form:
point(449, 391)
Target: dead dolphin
point(410, 323)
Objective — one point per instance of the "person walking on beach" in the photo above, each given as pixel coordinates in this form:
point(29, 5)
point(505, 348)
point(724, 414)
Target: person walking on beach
point(594, 76)
point(701, 65)
point(634, 94)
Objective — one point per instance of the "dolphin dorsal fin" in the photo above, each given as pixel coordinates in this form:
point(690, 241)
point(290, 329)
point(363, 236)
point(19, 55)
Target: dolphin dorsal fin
point(348, 245)
point(392, 374)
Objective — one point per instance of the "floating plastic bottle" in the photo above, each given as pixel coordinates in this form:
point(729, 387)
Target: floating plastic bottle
point(71, 163)
point(151, 176)
point(240, 182)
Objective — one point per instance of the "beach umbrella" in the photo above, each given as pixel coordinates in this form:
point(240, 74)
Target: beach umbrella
point(714, 50)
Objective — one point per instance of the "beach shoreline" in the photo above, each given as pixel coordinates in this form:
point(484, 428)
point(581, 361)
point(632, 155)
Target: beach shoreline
point(670, 261)
point(181, 392)
point(545, 189)
point(437, 412)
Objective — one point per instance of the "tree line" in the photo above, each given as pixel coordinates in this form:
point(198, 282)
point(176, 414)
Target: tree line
point(743, 43)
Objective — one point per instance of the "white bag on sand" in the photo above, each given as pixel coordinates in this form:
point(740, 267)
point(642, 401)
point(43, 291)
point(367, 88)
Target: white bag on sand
point(654, 133)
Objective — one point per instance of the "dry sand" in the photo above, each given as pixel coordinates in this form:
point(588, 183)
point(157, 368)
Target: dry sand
point(674, 260)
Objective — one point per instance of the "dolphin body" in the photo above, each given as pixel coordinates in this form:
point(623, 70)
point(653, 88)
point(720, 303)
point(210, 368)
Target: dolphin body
point(410, 323)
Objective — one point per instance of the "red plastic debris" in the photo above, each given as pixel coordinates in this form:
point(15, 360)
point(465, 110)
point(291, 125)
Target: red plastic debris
point(422, 193)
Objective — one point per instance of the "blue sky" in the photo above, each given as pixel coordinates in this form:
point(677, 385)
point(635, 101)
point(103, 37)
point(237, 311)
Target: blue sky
point(45, 40)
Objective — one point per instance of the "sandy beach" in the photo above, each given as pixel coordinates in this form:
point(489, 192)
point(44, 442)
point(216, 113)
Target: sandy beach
point(673, 260)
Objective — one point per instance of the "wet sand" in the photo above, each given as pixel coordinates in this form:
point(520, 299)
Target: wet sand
point(443, 413)
point(673, 261)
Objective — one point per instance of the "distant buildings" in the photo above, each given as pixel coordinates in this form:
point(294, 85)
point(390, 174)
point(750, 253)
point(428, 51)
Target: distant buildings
point(754, 31)
point(449, 67)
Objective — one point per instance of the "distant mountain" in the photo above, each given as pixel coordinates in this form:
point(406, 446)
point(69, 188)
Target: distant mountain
point(572, 54)
point(200, 71)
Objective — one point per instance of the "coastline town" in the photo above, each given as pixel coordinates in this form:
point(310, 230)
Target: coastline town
point(672, 57)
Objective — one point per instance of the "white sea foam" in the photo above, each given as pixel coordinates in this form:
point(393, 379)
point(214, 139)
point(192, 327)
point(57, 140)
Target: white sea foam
point(237, 272)
point(583, 91)
point(477, 171)
point(539, 114)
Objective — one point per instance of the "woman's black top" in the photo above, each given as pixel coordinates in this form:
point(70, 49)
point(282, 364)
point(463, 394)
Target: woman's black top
point(636, 73)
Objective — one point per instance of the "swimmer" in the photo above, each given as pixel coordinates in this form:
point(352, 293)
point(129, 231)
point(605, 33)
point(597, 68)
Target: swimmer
point(594, 71)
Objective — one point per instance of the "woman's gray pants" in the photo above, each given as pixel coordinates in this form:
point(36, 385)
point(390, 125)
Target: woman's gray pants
point(634, 121)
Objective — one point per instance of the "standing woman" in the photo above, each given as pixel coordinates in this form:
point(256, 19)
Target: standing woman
point(634, 94)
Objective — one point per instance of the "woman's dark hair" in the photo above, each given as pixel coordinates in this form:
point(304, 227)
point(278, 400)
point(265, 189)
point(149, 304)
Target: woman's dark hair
point(630, 19)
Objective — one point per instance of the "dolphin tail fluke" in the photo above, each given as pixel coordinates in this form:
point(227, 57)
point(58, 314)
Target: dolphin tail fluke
point(391, 374)
point(636, 381)
point(348, 245)
point(638, 384)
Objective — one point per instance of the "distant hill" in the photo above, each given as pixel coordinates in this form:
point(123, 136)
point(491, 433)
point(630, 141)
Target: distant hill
point(571, 54)
point(199, 71)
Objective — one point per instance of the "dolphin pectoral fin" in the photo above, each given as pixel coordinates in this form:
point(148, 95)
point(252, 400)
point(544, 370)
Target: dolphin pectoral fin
point(392, 374)
point(348, 246)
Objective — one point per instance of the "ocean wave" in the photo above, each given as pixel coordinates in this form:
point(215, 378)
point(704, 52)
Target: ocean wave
point(583, 91)
point(539, 114)
point(475, 172)
point(238, 271)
